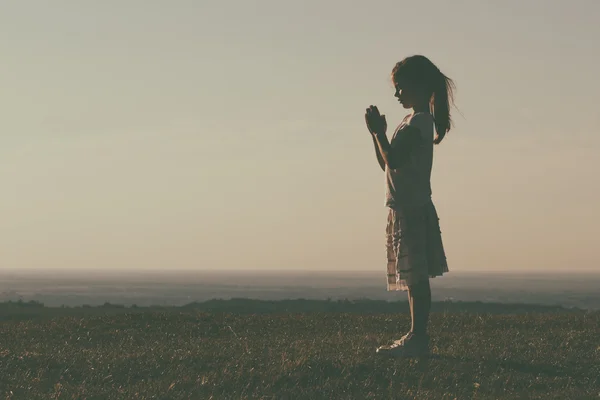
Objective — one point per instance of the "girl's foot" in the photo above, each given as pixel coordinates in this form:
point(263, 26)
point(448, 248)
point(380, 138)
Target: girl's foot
point(403, 338)
point(411, 345)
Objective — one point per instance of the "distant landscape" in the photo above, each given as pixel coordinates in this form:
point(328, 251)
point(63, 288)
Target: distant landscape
point(177, 288)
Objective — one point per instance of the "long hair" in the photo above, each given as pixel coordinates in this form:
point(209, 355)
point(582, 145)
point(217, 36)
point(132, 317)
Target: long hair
point(419, 70)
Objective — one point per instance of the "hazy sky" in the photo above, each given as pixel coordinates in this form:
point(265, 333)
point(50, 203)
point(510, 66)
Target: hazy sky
point(230, 134)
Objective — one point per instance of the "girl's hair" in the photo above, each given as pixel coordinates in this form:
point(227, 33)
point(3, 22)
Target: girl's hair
point(420, 71)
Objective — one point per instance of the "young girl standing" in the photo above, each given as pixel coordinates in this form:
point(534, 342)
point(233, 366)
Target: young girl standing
point(415, 251)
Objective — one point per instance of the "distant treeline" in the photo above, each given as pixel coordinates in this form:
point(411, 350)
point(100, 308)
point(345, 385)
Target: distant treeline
point(18, 310)
point(364, 306)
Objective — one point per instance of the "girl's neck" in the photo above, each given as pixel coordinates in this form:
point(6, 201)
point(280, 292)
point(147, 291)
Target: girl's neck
point(421, 108)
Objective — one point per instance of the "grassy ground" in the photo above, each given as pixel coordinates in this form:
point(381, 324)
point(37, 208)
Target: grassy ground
point(197, 355)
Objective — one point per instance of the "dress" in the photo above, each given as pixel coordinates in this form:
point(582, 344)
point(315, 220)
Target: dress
point(415, 251)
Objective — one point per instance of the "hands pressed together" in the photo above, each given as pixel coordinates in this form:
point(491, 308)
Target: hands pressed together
point(376, 122)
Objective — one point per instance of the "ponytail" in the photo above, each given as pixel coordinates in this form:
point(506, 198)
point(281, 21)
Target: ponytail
point(442, 98)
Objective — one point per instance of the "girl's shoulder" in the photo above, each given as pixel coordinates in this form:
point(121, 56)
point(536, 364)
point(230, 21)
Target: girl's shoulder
point(422, 121)
point(420, 118)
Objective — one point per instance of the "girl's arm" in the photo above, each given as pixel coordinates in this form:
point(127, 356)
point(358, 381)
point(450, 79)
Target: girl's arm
point(378, 154)
point(394, 157)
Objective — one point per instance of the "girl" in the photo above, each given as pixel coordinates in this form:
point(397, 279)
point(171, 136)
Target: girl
point(415, 251)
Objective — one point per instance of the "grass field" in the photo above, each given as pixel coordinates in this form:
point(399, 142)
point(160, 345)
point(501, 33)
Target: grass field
point(191, 354)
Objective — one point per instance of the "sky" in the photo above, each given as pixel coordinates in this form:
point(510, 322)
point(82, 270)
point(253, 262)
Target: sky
point(227, 135)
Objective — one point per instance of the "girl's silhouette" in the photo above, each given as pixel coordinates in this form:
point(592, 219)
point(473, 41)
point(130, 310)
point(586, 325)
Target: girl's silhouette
point(415, 251)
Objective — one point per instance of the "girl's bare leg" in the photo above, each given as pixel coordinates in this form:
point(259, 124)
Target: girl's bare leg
point(420, 305)
point(416, 342)
point(412, 311)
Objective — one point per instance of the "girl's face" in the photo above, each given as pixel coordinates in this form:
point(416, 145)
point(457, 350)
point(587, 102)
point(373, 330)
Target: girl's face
point(408, 95)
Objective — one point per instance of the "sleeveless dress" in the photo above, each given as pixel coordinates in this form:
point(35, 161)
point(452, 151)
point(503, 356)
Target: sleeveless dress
point(415, 251)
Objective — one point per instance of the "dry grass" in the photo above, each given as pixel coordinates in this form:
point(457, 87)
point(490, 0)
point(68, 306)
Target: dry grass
point(196, 355)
